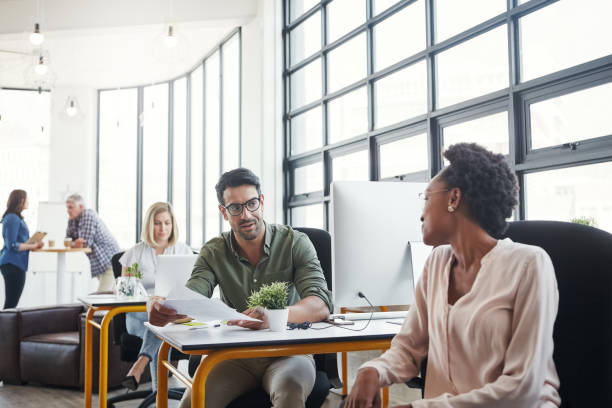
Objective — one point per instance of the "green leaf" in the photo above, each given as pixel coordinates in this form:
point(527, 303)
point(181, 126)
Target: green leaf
point(271, 296)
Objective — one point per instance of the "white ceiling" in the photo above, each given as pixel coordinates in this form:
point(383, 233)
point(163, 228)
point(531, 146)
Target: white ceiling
point(113, 43)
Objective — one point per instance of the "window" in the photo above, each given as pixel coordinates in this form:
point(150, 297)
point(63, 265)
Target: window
point(570, 193)
point(154, 122)
point(179, 156)
point(118, 167)
point(24, 138)
point(557, 47)
point(572, 117)
point(172, 146)
point(394, 82)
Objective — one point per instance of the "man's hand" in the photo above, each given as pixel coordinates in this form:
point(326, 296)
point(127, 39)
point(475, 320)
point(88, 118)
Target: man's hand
point(78, 243)
point(366, 390)
point(255, 313)
point(159, 315)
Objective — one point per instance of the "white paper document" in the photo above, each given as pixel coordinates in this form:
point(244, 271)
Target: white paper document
point(187, 302)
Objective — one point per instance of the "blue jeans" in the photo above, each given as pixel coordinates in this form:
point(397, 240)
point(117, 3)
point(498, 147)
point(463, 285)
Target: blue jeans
point(150, 342)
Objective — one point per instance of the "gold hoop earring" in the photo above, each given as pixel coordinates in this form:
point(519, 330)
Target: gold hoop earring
point(451, 209)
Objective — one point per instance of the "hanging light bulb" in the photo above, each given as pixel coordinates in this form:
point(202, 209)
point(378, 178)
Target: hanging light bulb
point(36, 38)
point(41, 69)
point(71, 108)
point(170, 40)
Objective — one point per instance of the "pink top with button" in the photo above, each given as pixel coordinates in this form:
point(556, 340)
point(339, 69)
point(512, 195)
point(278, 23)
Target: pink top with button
point(494, 346)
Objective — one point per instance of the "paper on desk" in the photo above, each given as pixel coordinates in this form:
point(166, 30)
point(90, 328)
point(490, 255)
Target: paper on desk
point(187, 302)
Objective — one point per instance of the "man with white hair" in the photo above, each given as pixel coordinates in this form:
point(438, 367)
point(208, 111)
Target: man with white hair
point(87, 229)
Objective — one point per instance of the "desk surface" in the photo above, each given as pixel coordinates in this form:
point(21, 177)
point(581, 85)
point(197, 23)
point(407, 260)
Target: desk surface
point(225, 337)
point(110, 300)
point(64, 250)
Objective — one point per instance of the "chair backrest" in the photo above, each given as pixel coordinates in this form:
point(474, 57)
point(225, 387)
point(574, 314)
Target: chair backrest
point(117, 267)
point(321, 240)
point(119, 326)
point(582, 258)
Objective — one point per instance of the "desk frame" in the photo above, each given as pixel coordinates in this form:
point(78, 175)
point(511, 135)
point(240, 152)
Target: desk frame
point(103, 360)
point(218, 355)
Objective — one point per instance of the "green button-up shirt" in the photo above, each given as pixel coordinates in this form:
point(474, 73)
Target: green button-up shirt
point(288, 257)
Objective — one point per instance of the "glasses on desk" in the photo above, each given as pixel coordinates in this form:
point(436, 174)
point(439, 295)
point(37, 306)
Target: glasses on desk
point(305, 325)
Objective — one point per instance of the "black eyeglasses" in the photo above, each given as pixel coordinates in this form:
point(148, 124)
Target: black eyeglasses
point(305, 325)
point(237, 208)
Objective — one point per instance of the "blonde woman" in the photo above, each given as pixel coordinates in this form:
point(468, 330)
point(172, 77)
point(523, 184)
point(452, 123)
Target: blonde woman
point(159, 237)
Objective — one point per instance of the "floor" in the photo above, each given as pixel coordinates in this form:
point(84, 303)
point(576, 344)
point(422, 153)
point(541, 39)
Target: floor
point(30, 396)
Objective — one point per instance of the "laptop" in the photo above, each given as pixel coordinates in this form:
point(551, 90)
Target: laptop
point(172, 270)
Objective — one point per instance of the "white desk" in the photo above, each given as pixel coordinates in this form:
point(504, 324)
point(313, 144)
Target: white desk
point(61, 267)
point(223, 343)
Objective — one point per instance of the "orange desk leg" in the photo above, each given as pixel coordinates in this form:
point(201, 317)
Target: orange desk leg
point(88, 357)
point(385, 390)
point(103, 362)
point(162, 376)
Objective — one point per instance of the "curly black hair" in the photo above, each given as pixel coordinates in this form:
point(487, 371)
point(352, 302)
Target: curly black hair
point(489, 187)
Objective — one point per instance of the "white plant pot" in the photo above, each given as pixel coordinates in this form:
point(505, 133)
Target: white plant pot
point(277, 319)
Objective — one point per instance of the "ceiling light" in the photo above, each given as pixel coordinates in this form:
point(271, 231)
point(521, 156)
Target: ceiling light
point(41, 69)
point(36, 38)
point(170, 40)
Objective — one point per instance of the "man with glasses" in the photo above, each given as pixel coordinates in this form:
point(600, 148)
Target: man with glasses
point(240, 261)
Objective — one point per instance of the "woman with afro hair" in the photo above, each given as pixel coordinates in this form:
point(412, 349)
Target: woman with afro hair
point(484, 308)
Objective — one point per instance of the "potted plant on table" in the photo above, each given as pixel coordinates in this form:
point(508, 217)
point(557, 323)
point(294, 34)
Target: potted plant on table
point(129, 285)
point(273, 299)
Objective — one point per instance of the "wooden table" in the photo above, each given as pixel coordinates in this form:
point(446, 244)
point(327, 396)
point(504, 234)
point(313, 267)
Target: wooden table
point(61, 267)
point(114, 307)
point(231, 342)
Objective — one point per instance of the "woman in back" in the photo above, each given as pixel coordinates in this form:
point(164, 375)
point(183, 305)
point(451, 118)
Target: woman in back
point(159, 237)
point(14, 256)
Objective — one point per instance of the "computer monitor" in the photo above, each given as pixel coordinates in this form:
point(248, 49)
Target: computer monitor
point(376, 242)
point(172, 270)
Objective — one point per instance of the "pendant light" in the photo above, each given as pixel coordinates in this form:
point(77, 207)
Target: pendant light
point(36, 38)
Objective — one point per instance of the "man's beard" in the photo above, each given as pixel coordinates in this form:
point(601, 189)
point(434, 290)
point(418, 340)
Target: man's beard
point(249, 236)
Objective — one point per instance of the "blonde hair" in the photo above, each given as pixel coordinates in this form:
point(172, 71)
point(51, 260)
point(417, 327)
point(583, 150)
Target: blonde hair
point(148, 233)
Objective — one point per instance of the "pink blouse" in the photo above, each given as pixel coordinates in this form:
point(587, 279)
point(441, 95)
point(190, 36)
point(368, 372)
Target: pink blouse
point(494, 346)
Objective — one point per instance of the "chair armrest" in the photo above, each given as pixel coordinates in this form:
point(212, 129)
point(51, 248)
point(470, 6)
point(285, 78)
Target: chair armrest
point(9, 346)
point(51, 319)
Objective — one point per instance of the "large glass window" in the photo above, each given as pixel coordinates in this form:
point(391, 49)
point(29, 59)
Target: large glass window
point(395, 82)
point(154, 122)
point(572, 117)
point(117, 167)
point(179, 156)
point(571, 193)
point(213, 144)
point(170, 133)
point(197, 157)
point(558, 47)
point(465, 71)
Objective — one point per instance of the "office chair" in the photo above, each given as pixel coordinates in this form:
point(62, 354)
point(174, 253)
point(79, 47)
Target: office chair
point(582, 258)
point(326, 364)
point(129, 350)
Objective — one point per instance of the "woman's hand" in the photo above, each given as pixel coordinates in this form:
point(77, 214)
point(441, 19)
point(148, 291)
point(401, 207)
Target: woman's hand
point(366, 390)
point(39, 244)
point(255, 313)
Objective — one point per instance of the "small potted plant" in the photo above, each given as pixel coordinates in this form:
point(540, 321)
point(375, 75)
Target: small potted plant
point(129, 285)
point(273, 299)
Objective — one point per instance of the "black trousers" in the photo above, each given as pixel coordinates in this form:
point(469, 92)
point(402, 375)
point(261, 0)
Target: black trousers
point(14, 281)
